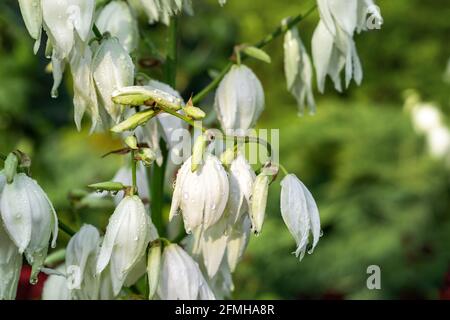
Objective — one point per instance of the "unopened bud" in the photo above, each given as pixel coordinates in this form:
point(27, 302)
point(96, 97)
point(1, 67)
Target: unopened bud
point(134, 121)
point(153, 267)
point(131, 142)
point(194, 112)
point(146, 155)
point(11, 163)
point(107, 186)
point(198, 151)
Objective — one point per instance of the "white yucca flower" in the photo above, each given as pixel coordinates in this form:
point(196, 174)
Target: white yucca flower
point(81, 258)
point(258, 201)
point(298, 70)
point(300, 213)
point(112, 69)
point(237, 241)
point(241, 177)
point(181, 278)
point(201, 195)
point(239, 99)
point(162, 10)
point(117, 19)
point(222, 283)
point(333, 46)
point(32, 15)
point(84, 92)
point(10, 263)
point(55, 287)
point(64, 21)
point(29, 218)
point(129, 231)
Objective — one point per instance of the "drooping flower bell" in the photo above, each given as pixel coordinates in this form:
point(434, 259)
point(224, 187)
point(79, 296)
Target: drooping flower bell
point(10, 264)
point(162, 10)
point(112, 68)
point(239, 99)
point(129, 231)
point(29, 219)
point(32, 16)
point(81, 258)
point(298, 70)
point(64, 21)
point(117, 19)
point(181, 278)
point(201, 195)
point(300, 213)
point(237, 241)
point(333, 47)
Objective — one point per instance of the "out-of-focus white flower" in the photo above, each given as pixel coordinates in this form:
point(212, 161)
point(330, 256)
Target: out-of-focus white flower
point(117, 19)
point(58, 66)
point(55, 287)
point(162, 10)
point(222, 2)
point(239, 99)
point(438, 140)
point(112, 69)
point(66, 20)
point(181, 278)
point(425, 117)
point(202, 195)
point(298, 70)
point(32, 15)
point(10, 263)
point(333, 46)
point(29, 219)
point(128, 233)
point(81, 257)
point(300, 213)
point(369, 16)
point(238, 241)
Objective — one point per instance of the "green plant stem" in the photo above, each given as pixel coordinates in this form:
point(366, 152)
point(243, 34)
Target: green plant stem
point(64, 227)
point(260, 44)
point(157, 176)
point(55, 257)
point(133, 171)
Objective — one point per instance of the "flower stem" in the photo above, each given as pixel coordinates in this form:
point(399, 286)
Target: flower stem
point(260, 44)
point(64, 227)
point(133, 171)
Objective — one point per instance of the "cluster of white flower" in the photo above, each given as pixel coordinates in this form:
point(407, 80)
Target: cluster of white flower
point(221, 198)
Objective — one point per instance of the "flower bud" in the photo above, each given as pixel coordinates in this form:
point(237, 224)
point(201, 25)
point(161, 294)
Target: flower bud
point(128, 233)
point(29, 218)
point(117, 19)
point(131, 142)
point(139, 95)
point(201, 195)
point(112, 69)
point(194, 112)
point(153, 268)
point(300, 213)
point(239, 99)
point(107, 186)
point(146, 155)
point(181, 278)
point(11, 163)
point(32, 16)
point(136, 120)
point(10, 264)
point(198, 151)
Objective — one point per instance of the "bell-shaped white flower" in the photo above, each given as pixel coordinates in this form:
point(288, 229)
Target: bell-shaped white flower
point(117, 19)
point(112, 69)
point(201, 195)
point(239, 99)
point(241, 177)
point(29, 218)
point(10, 264)
point(181, 278)
point(128, 233)
point(222, 283)
point(369, 16)
point(81, 257)
point(331, 54)
point(298, 70)
point(55, 287)
point(65, 20)
point(84, 92)
point(259, 200)
point(32, 16)
point(162, 10)
point(300, 213)
point(237, 241)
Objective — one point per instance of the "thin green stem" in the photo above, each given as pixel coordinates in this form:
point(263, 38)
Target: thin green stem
point(133, 171)
point(64, 227)
point(260, 44)
point(55, 257)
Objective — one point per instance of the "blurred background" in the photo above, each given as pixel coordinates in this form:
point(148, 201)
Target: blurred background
point(382, 192)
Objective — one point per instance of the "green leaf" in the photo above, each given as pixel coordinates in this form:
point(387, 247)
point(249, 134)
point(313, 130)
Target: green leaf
point(257, 54)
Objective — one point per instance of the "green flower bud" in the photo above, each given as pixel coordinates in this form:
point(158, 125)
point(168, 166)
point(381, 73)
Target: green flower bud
point(153, 267)
point(198, 151)
point(107, 186)
point(137, 119)
point(140, 95)
point(11, 163)
point(131, 142)
point(146, 155)
point(194, 112)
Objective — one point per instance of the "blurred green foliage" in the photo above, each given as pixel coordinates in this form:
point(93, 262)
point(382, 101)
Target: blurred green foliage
point(382, 199)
